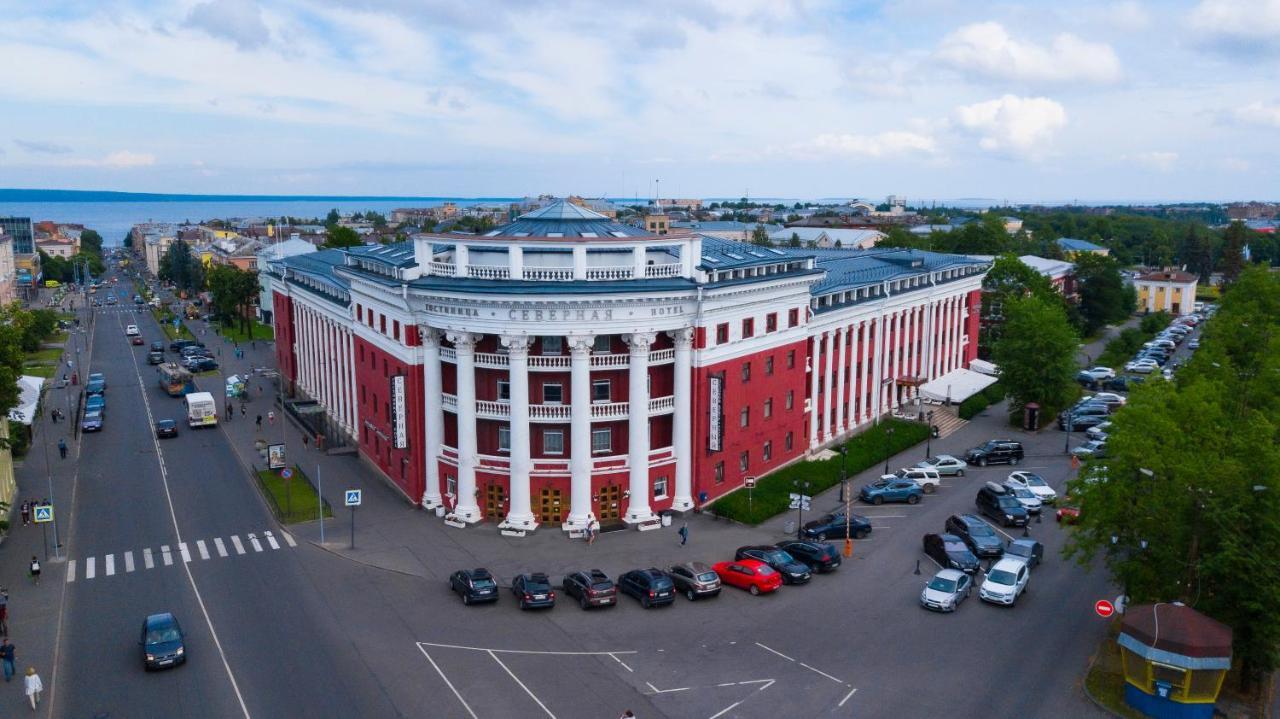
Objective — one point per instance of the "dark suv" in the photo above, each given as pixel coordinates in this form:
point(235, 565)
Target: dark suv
point(1000, 503)
point(474, 585)
point(533, 591)
point(792, 571)
point(833, 526)
point(651, 586)
point(995, 451)
point(950, 551)
point(820, 556)
point(979, 535)
point(592, 588)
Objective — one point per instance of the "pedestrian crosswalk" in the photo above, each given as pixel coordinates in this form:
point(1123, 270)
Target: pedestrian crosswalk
point(88, 568)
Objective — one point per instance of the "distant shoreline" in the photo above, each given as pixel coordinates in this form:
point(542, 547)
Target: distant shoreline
point(29, 195)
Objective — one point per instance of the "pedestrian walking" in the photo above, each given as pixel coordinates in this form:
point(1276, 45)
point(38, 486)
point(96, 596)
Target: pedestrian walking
point(62, 448)
point(684, 534)
point(230, 410)
point(4, 611)
point(306, 442)
point(271, 418)
point(244, 412)
point(6, 657)
point(35, 569)
point(32, 685)
point(26, 513)
point(54, 416)
point(259, 422)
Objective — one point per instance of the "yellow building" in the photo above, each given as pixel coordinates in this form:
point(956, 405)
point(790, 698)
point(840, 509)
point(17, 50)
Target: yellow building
point(1167, 290)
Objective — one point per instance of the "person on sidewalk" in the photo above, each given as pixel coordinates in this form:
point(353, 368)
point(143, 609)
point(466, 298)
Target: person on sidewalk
point(271, 418)
point(54, 416)
point(32, 685)
point(4, 611)
point(244, 412)
point(259, 422)
point(306, 442)
point(35, 569)
point(26, 513)
point(62, 448)
point(684, 534)
point(6, 657)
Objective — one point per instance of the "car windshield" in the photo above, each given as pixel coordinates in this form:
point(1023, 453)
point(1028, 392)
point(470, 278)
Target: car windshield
point(880, 484)
point(166, 423)
point(980, 529)
point(765, 570)
point(92, 414)
point(1009, 503)
point(536, 585)
point(778, 556)
point(933, 462)
point(1022, 493)
point(707, 577)
point(1020, 550)
point(1034, 480)
point(163, 634)
point(954, 546)
point(1000, 576)
point(942, 584)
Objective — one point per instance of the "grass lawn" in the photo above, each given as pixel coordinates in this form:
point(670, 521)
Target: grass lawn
point(58, 338)
point(294, 500)
point(51, 354)
point(40, 370)
point(1105, 681)
point(260, 332)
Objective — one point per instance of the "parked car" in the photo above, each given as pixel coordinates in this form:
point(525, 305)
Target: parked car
point(995, 451)
point(1005, 582)
point(95, 403)
point(1124, 383)
point(166, 428)
point(998, 502)
point(177, 345)
point(591, 588)
point(91, 422)
point(154, 357)
point(834, 526)
point(157, 347)
point(927, 477)
point(1110, 399)
point(1100, 373)
point(651, 586)
point(1067, 514)
point(1033, 482)
point(749, 574)
point(1069, 421)
point(533, 591)
point(1099, 431)
point(1027, 499)
point(474, 585)
point(1092, 449)
point(694, 580)
point(1087, 380)
point(945, 465)
point(1027, 550)
point(976, 533)
point(891, 490)
point(95, 387)
point(1142, 366)
point(162, 642)
point(1194, 344)
point(949, 550)
point(818, 556)
point(201, 364)
point(946, 590)
point(792, 570)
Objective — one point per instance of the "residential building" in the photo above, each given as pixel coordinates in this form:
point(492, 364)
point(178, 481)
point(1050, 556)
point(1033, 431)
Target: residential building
point(22, 232)
point(1071, 248)
point(565, 367)
point(8, 271)
point(828, 237)
point(57, 247)
point(291, 247)
point(154, 247)
point(1167, 290)
point(726, 229)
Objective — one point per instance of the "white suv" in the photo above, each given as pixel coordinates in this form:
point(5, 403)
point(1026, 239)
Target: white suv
point(131, 330)
point(928, 479)
point(1035, 483)
point(1006, 581)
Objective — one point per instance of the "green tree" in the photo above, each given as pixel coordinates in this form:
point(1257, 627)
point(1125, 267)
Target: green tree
point(795, 240)
point(234, 291)
point(127, 242)
point(332, 218)
point(378, 219)
point(1194, 252)
point(1233, 244)
point(1008, 278)
point(182, 267)
point(1104, 298)
point(1036, 354)
point(760, 235)
point(342, 237)
point(91, 242)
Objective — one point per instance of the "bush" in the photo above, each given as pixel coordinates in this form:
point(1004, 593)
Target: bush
point(1153, 323)
point(773, 492)
point(971, 407)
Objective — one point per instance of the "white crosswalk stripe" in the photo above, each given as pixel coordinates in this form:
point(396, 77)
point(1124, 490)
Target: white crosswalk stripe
point(186, 554)
point(128, 562)
point(235, 542)
point(169, 555)
point(164, 554)
point(147, 560)
point(253, 539)
point(111, 565)
point(217, 544)
point(271, 540)
point(89, 569)
point(71, 571)
point(204, 551)
point(288, 538)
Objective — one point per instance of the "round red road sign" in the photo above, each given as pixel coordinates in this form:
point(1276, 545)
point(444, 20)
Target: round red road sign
point(1104, 608)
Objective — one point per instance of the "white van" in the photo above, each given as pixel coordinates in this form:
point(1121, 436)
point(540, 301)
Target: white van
point(202, 410)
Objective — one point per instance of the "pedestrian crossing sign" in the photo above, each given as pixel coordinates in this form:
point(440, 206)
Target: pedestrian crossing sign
point(44, 514)
point(353, 497)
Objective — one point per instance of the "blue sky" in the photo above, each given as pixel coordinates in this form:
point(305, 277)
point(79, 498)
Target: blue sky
point(1027, 101)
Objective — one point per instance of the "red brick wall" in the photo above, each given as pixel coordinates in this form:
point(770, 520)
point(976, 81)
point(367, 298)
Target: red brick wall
point(282, 319)
point(374, 368)
point(971, 326)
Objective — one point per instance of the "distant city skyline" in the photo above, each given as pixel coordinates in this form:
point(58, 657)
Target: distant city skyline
point(1027, 102)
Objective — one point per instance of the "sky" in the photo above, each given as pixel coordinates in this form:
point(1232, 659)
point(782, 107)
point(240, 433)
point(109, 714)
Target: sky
point(1114, 100)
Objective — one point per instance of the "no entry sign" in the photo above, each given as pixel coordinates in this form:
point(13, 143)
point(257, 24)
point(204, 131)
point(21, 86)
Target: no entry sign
point(1104, 608)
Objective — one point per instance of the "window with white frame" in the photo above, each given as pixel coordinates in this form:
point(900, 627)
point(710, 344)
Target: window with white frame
point(602, 440)
point(601, 344)
point(600, 390)
point(744, 461)
point(552, 441)
point(504, 438)
point(552, 345)
point(451, 485)
point(504, 391)
point(766, 451)
point(768, 408)
point(552, 393)
point(660, 488)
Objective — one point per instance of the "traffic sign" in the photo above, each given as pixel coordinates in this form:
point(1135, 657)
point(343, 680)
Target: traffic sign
point(799, 504)
point(43, 513)
point(1104, 608)
point(749, 482)
point(288, 474)
point(352, 497)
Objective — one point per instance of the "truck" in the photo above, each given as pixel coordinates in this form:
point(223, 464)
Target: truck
point(175, 380)
point(202, 410)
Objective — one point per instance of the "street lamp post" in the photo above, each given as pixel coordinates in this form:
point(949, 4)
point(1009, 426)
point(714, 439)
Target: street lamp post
point(928, 442)
point(801, 488)
point(888, 447)
point(1066, 443)
point(844, 489)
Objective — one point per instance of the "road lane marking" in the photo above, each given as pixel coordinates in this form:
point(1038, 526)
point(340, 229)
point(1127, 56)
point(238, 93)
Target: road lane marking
point(253, 539)
point(111, 565)
point(89, 569)
point(217, 544)
point(528, 651)
point(624, 664)
point(767, 649)
point(452, 688)
point(186, 553)
point(147, 560)
point(819, 671)
point(71, 571)
point(288, 538)
point(846, 697)
point(164, 554)
point(271, 540)
point(235, 542)
point(204, 551)
point(128, 562)
point(726, 710)
point(656, 690)
point(522, 686)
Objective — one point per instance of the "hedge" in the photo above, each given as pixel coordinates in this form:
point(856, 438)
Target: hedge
point(772, 493)
point(980, 401)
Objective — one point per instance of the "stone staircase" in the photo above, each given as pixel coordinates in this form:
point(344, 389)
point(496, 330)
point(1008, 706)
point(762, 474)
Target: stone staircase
point(947, 420)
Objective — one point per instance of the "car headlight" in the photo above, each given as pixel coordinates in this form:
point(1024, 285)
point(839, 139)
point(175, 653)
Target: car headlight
point(181, 651)
point(151, 657)
point(1009, 517)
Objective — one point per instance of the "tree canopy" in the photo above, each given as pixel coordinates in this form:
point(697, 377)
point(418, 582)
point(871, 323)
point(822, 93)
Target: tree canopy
point(1036, 354)
point(234, 291)
point(1104, 297)
point(182, 267)
point(339, 236)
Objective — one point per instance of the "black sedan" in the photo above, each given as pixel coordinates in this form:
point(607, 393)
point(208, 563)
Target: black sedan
point(833, 526)
point(533, 591)
point(474, 585)
point(950, 552)
point(651, 586)
point(792, 570)
point(820, 556)
point(166, 428)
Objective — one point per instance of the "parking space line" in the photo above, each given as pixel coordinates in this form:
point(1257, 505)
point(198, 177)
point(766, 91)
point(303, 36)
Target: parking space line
point(204, 551)
point(522, 686)
point(1006, 534)
point(89, 569)
point(724, 711)
point(218, 545)
point(452, 688)
point(666, 691)
point(624, 664)
point(819, 671)
point(235, 542)
point(846, 697)
point(931, 559)
point(71, 571)
point(110, 565)
point(767, 649)
point(147, 560)
point(526, 651)
point(128, 562)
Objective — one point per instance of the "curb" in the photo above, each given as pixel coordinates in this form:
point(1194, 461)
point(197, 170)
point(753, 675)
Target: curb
point(362, 563)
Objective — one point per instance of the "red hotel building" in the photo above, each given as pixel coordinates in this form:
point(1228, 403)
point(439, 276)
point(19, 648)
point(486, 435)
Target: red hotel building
point(566, 367)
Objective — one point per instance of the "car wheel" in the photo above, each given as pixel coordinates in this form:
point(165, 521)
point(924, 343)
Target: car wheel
point(959, 472)
point(582, 602)
point(466, 600)
point(821, 536)
point(913, 499)
point(1013, 461)
point(878, 500)
point(982, 462)
point(929, 488)
point(754, 589)
point(690, 595)
point(860, 534)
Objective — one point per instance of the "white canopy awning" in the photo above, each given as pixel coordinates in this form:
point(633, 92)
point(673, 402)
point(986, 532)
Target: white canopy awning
point(28, 399)
point(956, 385)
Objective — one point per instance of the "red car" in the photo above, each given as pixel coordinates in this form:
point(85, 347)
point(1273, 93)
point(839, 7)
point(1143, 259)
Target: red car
point(749, 574)
point(1068, 515)
point(136, 339)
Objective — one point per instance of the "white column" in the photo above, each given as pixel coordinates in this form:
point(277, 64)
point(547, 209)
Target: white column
point(878, 359)
point(864, 406)
point(308, 340)
point(944, 329)
point(842, 371)
point(814, 356)
point(520, 513)
point(638, 257)
point(466, 508)
point(352, 390)
point(954, 313)
point(434, 414)
point(638, 426)
point(917, 342)
point(895, 370)
point(962, 316)
point(828, 383)
point(461, 258)
point(580, 511)
point(515, 261)
point(300, 327)
point(682, 421)
point(579, 263)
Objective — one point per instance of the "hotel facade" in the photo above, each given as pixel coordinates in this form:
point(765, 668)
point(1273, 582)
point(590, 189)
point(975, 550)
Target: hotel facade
point(566, 368)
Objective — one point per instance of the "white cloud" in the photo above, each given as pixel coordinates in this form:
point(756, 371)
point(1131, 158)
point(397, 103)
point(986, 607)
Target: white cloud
point(125, 158)
point(1258, 113)
point(986, 49)
point(1251, 21)
point(1162, 161)
point(239, 21)
point(1012, 124)
point(884, 144)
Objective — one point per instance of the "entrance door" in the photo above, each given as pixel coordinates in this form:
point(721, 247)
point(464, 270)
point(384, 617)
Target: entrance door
point(610, 502)
point(550, 509)
point(495, 501)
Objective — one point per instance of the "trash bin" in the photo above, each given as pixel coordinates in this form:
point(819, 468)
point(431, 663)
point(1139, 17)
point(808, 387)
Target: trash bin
point(666, 519)
point(789, 527)
point(440, 511)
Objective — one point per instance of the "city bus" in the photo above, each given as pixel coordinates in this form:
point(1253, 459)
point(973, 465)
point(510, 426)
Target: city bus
point(175, 380)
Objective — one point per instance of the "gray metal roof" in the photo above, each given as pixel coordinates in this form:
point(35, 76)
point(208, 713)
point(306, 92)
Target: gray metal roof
point(565, 219)
point(561, 210)
point(397, 254)
point(721, 254)
point(848, 269)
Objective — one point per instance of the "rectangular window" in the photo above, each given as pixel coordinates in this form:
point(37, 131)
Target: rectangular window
point(791, 359)
point(746, 371)
point(382, 324)
point(552, 394)
point(600, 391)
point(395, 328)
point(793, 317)
point(362, 397)
point(791, 399)
point(504, 438)
point(766, 452)
point(744, 417)
point(744, 461)
point(504, 391)
point(771, 322)
point(719, 472)
point(787, 443)
point(451, 485)
point(660, 488)
point(601, 344)
point(768, 366)
point(601, 440)
point(552, 441)
point(768, 408)
point(552, 345)
point(748, 327)
point(722, 333)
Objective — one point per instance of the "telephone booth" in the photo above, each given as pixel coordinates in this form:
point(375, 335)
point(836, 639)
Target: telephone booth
point(1175, 659)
